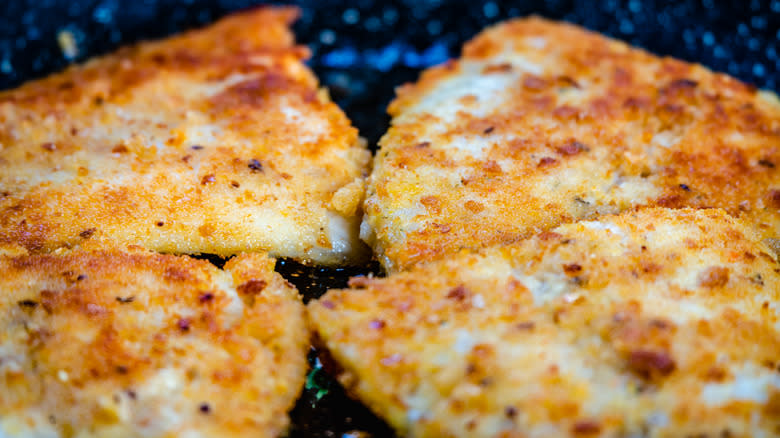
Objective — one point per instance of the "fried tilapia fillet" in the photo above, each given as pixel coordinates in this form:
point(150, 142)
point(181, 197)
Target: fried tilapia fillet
point(657, 323)
point(128, 343)
point(543, 123)
point(215, 141)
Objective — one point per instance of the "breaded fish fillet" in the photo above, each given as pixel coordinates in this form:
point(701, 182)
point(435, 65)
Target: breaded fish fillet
point(542, 123)
point(658, 323)
point(215, 141)
point(127, 343)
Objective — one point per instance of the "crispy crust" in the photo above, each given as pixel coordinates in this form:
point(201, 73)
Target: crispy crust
point(214, 141)
point(542, 123)
point(121, 343)
point(658, 323)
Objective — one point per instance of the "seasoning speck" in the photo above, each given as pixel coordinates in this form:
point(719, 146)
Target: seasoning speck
point(125, 300)
point(255, 165)
point(206, 297)
point(204, 408)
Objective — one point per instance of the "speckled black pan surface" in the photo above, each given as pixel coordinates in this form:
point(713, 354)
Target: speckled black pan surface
point(362, 50)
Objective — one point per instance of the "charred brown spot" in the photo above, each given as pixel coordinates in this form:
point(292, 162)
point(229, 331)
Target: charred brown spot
point(497, 68)
point(714, 276)
point(774, 198)
point(119, 149)
point(235, 184)
point(422, 145)
point(534, 83)
point(205, 297)
point(207, 179)
point(585, 427)
point(252, 287)
point(86, 234)
point(565, 112)
point(30, 304)
point(510, 411)
point(766, 163)
point(488, 130)
point(572, 269)
point(458, 293)
point(160, 223)
point(125, 300)
point(546, 162)
point(651, 363)
point(572, 147)
point(490, 166)
point(204, 408)
point(255, 165)
point(429, 201)
point(549, 235)
point(525, 325)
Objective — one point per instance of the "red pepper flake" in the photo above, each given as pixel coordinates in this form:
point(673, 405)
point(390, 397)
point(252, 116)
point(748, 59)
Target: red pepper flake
point(458, 293)
point(206, 297)
point(774, 198)
point(204, 408)
point(391, 360)
point(86, 234)
point(572, 147)
point(546, 161)
point(210, 178)
point(255, 165)
point(377, 324)
point(715, 276)
point(585, 427)
point(49, 146)
point(184, 324)
point(649, 363)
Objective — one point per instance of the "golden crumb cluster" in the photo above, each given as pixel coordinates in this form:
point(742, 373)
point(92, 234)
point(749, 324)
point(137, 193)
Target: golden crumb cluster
point(216, 141)
point(543, 123)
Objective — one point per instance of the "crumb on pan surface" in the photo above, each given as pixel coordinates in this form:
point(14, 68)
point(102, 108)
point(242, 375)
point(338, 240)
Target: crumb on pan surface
point(214, 141)
point(542, 123)
point(658, 323)
point(128, 343)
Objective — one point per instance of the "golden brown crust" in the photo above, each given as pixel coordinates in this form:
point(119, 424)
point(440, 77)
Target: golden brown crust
point(214, 141)
point(542, 123)
point(657, 323)
point(121, 343)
